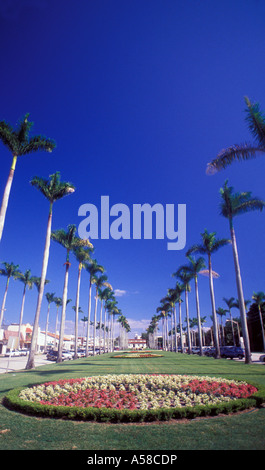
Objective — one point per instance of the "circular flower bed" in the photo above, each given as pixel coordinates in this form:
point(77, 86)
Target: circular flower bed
point(134, 397)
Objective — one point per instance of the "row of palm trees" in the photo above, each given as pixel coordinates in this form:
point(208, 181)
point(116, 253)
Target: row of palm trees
point(19, 143)
point(232, 205)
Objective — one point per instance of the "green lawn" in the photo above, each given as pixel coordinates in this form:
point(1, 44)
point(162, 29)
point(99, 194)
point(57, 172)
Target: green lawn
point(241, 431)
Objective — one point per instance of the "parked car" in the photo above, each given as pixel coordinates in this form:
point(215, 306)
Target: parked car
point(210, 351)
point(24, 352)
point(232, 352)
point(13, 353)
point(67, 355)
point(262, 358)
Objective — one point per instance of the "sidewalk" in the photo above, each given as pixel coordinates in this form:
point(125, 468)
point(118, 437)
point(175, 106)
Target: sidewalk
point(19, 363)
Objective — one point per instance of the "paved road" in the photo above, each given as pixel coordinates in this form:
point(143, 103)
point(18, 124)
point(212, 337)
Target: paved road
point(19, 363)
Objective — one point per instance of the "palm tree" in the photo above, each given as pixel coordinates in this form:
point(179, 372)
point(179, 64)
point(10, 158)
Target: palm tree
point(112, 309)
point(185, 277)
point(19, 143)
point(58, 302)
point(82, 255)
point(50, 297)
point(230, 304)
point(246, 151)
point(193, 269)
point(84, 320)
point(210, 244)
point(107, 294)
point(173, 298)
point(27, 280)
point(234, 204)
point(179, 288)
point(104, 295)
point(259, 298)
point(53, 189)
point(92, 268)
point(222, 313)
point(9, 270)
point(99, 282)
point(69, 241)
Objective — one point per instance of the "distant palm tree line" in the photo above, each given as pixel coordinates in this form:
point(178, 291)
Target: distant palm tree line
point(19, 143)
point(232, 204)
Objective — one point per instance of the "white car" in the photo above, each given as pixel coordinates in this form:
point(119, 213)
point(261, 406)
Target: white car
point(262, 358)
point(67, 355)
point(14, 353)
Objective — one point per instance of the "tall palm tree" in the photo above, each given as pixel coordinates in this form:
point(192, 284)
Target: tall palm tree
point(50, 297)
point(27, 280)
point(19, 143)
point(53, 189)
point(92, 268)
point(193, 268)
point(234, 204)
point(245, 151)
point(104, 294)
point(110, 304)
point(112, 311)
point(84, 320)
point(58, 302)
point(185, 277)
point(211, 244)
point(99, 281)
point(259, 298)
point(10, 270)
point(173, 298)
point(222, 313)
point(82, 255)
point(179, 288)
point(230, 304)
point(69, 241)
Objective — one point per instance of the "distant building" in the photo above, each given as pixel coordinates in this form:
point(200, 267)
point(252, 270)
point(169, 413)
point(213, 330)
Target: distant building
point(137, 343)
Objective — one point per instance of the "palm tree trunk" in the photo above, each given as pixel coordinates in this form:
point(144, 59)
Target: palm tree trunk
point(100, 325)
point(34, 339)
point(109, 333)
point(262, 327)
point(95, 324)
point(198, 315)
point(215, 327)
point(21, 314)
point(188, 321)
point(77, 308)
point(233, 333)
point(180, 327)
point(6, 195)
point(105, 319)
point(65, 289)
point(89, 314)
point(4, 302)
point(241, 300)
point(175, 325)
point(56, 322)
point(46, 328)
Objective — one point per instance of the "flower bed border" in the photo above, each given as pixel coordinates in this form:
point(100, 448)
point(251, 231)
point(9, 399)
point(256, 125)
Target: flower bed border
point(14, 402)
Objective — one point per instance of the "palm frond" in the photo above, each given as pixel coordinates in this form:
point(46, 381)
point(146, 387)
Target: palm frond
point(37, 143)
point(227, 156)
point(256, 121)
point(249, 206)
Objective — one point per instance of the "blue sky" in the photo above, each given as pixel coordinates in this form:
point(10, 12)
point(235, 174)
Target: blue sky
point(139, 96)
